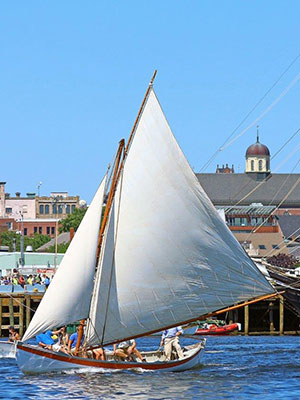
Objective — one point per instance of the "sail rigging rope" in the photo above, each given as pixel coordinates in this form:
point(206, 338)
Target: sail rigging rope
point(20, 303)
point(225, 144)
point(255, 228)
point(266, 178)
point(272, 252)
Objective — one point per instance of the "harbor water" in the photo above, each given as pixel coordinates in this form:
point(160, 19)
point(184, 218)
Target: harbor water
point(254, 367)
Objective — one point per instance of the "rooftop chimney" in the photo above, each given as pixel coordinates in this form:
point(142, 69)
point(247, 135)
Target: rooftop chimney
point(2, 187)
point(18, 194)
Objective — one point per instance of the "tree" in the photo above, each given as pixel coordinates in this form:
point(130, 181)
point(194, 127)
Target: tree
point(36, 241)
point(73, 220)
point(61, 248)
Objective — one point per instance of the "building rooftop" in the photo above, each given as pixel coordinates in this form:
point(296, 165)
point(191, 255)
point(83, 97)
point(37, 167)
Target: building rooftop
point(252, 209)
point(290, 225)
point(257, 149)
point(229, 189)
point(10, 260)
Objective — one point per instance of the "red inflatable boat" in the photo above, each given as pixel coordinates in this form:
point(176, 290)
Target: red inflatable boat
point(215, 329)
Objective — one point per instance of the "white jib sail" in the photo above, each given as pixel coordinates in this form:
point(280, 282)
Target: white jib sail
point(68, 296)
point(175, 259)
point(104, 284)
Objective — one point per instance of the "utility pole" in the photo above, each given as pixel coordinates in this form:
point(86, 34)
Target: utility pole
point(54, 204)
point(57, 203)
point(39, 187)
point(22, 241)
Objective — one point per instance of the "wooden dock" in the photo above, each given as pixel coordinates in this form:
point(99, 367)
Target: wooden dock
point(269, 317)
point(17, 310)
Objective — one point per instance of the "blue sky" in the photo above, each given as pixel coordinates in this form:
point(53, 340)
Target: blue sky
point(73, 75)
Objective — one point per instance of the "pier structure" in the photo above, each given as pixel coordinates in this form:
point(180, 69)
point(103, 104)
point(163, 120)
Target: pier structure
point(17, 309)
point(267, 317)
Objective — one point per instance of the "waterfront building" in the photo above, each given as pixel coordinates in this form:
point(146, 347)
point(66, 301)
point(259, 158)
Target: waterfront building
point(14, 207)
point(34, 262)
point(45, 226)
point(57, 205)
point(255, 200)
point(256, 185)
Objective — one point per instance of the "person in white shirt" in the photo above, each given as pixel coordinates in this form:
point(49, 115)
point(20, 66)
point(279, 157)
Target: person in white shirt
point(170, 339)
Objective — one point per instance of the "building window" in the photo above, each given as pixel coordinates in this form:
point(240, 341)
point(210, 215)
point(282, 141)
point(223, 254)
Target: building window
point(40, 230)
point(73, 208)
point(68, 209)
point(257, 221)
point(237, 221)
point(46, 209)
point(252, 165)
point(260, 165)
point(60, 209)
point(8, 210)
point(54, 208)
point(268, 165)
point(262, 247)
point(9, 225)
point(275, 246)
point(52, 230)
point(41, 209)
point(25, 231)
point(48, 230)
point(35, 229)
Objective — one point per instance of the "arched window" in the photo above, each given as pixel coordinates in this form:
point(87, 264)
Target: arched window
point(41, 209)
point(252, 165)
point(260, 165)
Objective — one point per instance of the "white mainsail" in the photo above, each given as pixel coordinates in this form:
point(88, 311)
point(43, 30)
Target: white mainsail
point(171, 258)
point(69, 294)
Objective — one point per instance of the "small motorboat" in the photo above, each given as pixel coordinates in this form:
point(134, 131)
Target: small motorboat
point(215, 327)
point(7, 349)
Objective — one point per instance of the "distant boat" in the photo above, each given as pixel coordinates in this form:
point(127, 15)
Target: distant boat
point(215, 327)
point(161, 257)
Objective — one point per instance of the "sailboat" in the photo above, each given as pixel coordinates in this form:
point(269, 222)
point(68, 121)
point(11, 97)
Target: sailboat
point(161, 257)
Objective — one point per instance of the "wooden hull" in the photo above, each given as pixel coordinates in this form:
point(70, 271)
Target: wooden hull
point(7, 349)
point(219, 330)
point(34, 360)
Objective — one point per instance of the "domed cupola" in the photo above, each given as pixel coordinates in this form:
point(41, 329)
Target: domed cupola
point(258, 158)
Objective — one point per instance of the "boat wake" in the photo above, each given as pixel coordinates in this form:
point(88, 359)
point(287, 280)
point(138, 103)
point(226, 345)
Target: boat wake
point(214, 351)
point(93, 370)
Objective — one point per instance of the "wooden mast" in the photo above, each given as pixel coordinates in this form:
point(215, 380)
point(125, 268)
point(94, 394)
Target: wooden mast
point(111, 195)
point(103, 225)
point(136, 122)
point(118, 166)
